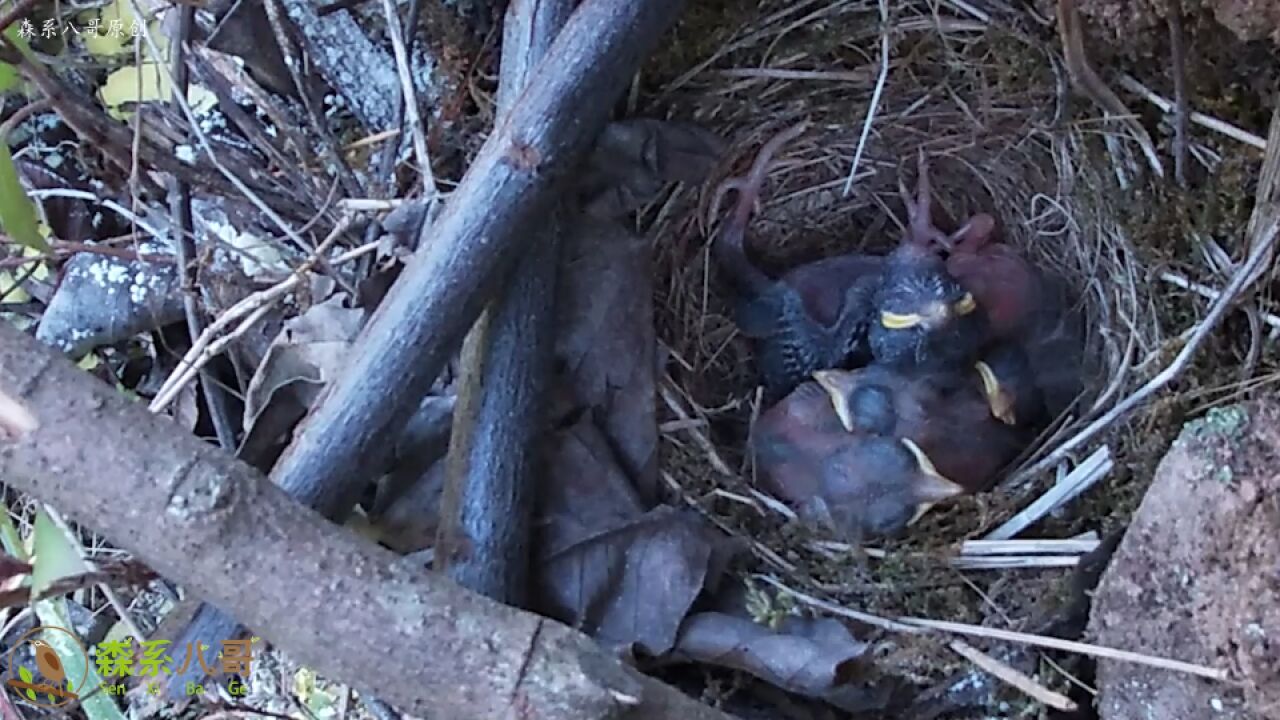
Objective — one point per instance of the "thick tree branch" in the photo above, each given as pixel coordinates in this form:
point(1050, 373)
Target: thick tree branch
point(493, 468)
point(325, 596)
point(487, 223)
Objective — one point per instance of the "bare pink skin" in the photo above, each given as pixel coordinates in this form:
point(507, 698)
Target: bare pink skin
point(921, 231)
point(729, 246)
point(1000, 279)
point(748, 186)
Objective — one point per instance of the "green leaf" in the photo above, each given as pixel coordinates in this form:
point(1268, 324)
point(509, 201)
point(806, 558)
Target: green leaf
point(17, 213)
point(57, 556)
point(105, 44)
point(10, 537)
point(8, 77)
point(25, 673)
point(97, 705)
point(31, 695)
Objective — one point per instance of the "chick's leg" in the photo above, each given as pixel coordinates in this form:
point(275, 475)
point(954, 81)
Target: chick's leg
point(728, 246)
point(920, 228)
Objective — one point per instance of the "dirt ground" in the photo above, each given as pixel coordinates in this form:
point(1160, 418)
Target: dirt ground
point(1195, 577)
point(1247, 19)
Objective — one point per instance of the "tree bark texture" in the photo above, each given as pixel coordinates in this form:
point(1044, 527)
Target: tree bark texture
point(493, 460)
point(330, 599)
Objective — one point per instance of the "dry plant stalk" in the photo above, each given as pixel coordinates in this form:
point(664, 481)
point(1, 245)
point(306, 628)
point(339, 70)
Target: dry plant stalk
point(1013, 677)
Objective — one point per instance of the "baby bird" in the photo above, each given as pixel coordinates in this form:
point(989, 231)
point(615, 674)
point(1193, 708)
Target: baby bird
point(814, 316)
point(858, 485)
point(1026, 306)
point(970, 424)
point(924, 318)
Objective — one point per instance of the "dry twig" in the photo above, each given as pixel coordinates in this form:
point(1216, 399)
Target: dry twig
point(1179, 61)
point(1013, 677)
point(251, 309)
point(1084, 78)
point(1084, 476)
point(918, 625)
point(1223, 127)
point(410, 102)
point(1261, 236)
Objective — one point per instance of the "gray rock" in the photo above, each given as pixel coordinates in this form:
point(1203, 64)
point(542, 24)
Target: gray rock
point(102, 300)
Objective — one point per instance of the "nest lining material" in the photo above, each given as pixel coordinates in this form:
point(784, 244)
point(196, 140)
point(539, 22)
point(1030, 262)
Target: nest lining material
point(985, 104)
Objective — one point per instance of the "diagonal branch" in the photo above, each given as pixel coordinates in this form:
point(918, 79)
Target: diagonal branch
point(443, 289)
point(329, 598)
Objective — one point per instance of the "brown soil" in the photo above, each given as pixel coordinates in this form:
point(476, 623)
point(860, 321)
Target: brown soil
point(1195, 578)
point(1247, 19)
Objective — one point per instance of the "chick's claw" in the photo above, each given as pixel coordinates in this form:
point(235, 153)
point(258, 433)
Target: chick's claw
point(921, 231)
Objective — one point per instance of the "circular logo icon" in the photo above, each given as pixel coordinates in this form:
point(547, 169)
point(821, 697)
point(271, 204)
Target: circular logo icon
point(38, 672)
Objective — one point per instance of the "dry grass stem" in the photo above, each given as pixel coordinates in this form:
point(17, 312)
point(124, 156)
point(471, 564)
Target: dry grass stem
point(1029, 547)
point(1085, 79)
point(1053, 643)
point(1084, 476)
point(918, 625)
point(875, 96)
point(1130, 83)
point(1210, 293)
point(1264, 224)
point(412, 118)
point(1014, 678)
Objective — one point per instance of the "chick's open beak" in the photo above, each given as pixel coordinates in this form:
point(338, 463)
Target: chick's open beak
point(1000, 400)
point(931, 487)
point(839, 384)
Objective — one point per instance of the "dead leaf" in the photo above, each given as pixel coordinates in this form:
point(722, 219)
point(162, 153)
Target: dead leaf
point(606, 343)
point(424, 441)
point(186, 409)
point(409, 522)
point(309, 351)
point(625, 576)
point(633, 159)
point(403, 224)
point(817, 658)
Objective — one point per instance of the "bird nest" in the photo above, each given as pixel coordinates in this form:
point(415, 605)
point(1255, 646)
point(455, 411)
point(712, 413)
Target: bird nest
point(983, 98)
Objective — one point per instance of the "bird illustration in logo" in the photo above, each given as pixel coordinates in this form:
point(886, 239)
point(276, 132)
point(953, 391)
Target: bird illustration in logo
point(48, 663)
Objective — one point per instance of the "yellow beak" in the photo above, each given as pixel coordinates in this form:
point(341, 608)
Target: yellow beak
point(931, 487)
point(895, 321)
point(838, 384)
point(1000, 401)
